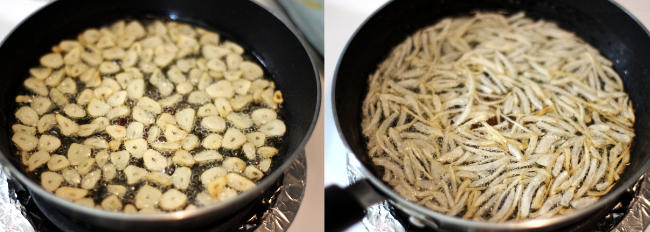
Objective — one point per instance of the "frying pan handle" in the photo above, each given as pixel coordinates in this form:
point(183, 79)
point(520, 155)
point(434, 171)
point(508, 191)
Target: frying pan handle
point(345, 207)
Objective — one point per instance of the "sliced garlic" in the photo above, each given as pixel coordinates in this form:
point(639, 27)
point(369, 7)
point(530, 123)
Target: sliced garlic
point(27, 116)
point(86, 130)
point(240, 120)
point(51, 181)
point(134, 174)
point(78, 153)
point(182, 177)
point(233, 139)
point(185, 119)
point(112, 203)
point(109, 172)
point(150, 105)
point(52, 60)
point(143, 116)
point(120, 159)
point(172, 200)
point(25, 142)
point(251, 71)
point(96, 143)
point(273, 128)
point(116, 190)
point(85, 97)
point(90, 180)
point(98, 108)
point(108, 67)
point(159, 178)
point(101, 123)
point(223, 106)
point(190, 142)
point(36, 86)
point(136, 147)
point(71, 193)
point(251, 172)
point(241, 86)
point(263, 116)
point(101, 158)
point(153, 160)
point(46, 123)
point(42, 105)
point(257, 138)
point(174, 134)
point(267, 152)
point(48, 143)
point(239, 182)
point(212, 141)
point(207, 156)
point(135, 130)
point(135, 89)
point(37, 160)
point(170, 101)
point(40, 72)
point(184, 158)
point(58, 98)
point(153, 134)
point(214, 123)
point(216, 186)
point(71, 176)
point(118, 98)
point(57, 163)
point(198, 97)
point(207, 110)
point(19, 128)
point(222, 88)
point(74, 111)
point(211, 174)
point(86, 167)
point(234, 164)
point(116, 131)
point(147, 197)
point(249, 151)
point(67, 126)
point(265, 165)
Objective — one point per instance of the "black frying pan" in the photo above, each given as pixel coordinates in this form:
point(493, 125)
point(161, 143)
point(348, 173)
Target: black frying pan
point(601, 23)
point(261, 33)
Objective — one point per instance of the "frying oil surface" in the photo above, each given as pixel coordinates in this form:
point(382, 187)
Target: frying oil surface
point(149, 118)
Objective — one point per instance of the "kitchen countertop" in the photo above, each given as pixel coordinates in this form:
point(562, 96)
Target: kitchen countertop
point(342, 17)
point(310, 214)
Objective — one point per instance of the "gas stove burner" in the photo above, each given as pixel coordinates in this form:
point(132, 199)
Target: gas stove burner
point(628, 213)
point(274, 210)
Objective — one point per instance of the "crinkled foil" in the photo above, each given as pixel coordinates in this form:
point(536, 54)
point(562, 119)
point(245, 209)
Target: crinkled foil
point(277, 218)
point(636, 218)
point(11, 211)
point(282, 213)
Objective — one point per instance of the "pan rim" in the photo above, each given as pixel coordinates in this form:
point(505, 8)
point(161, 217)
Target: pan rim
point(10, 169)
point(444, 219)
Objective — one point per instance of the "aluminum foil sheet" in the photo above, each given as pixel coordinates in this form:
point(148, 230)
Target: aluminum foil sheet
point(292, 190)
point(283, 208)
point(11, 211)
point(635, 214)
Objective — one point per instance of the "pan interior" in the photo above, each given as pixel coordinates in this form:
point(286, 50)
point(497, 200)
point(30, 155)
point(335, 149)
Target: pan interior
point(602, 24)
point(266, 38)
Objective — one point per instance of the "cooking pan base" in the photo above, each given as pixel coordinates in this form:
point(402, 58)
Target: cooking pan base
point(273, 211)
